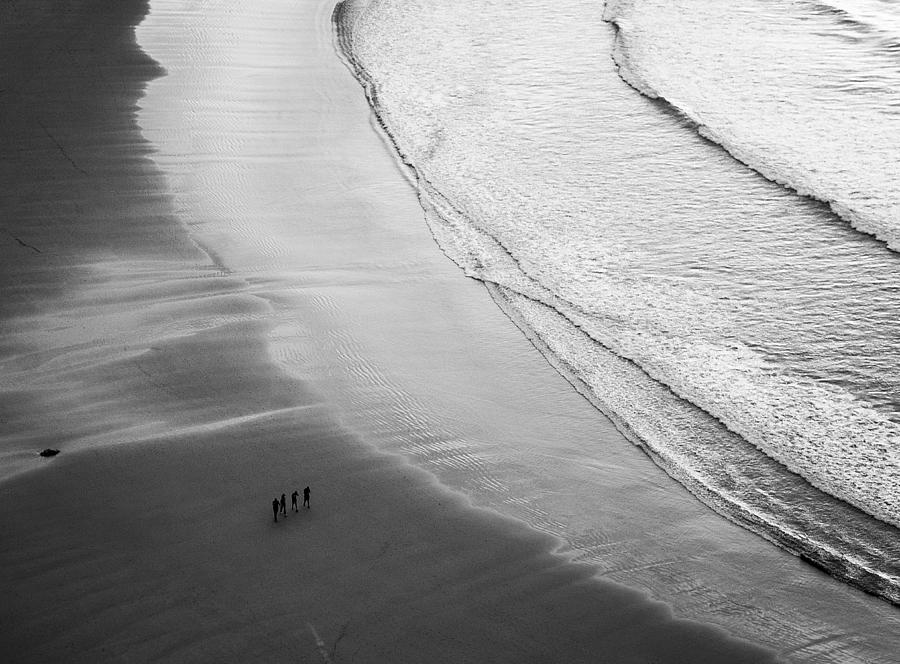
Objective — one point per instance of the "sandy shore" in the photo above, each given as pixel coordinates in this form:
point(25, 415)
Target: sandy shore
point(119, 330)
point(167, 552)
point(87, 236)
point(181, 336)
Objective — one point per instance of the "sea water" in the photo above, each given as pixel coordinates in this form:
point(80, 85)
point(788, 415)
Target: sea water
point(690, 207)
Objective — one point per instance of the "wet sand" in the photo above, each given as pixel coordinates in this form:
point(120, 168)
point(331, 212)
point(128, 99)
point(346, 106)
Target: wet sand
point(176, 322)
point(180, 560)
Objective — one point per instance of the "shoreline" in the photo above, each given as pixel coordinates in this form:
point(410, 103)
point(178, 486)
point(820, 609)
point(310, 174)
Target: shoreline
point(149, 536)
point(200, 573)
point(210, 391)
point(872, 574)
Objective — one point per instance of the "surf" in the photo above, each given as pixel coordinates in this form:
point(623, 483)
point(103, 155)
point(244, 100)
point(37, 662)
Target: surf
point(716, 412)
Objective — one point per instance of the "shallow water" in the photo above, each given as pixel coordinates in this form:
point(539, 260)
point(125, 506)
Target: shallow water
point(417, 359)
point(751, 329)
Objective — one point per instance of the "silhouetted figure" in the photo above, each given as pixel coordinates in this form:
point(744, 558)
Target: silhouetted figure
point(294, 501)
point(306, 497)
point(283, 505)
point(275, 509)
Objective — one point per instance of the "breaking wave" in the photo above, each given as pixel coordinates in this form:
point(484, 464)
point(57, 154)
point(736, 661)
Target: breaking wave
point(718, 415)
point(878, 220)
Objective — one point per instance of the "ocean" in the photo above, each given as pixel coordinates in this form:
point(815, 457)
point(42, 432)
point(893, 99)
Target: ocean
point(690, 208)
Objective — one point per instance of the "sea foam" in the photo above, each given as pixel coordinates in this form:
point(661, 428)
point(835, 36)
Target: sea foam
point(673, 286)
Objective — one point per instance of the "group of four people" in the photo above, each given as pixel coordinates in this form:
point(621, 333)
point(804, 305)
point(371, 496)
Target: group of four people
point(281, 505)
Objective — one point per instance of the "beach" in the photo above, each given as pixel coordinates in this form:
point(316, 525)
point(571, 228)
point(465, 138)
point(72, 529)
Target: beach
point(218, 287)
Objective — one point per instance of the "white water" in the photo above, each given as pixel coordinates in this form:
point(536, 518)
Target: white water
point(739, 331)
point(803, 91)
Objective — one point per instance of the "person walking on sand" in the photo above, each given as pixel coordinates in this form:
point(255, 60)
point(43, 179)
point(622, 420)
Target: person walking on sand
point(275, 509)
point(294, 501)
point(283, 505)
point(306, 497)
